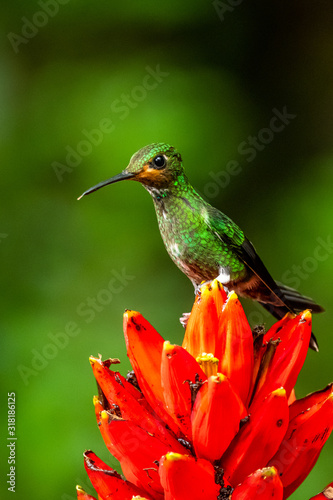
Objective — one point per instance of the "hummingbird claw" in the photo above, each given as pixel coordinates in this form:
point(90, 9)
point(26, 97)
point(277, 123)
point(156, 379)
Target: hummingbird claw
point(197, 289)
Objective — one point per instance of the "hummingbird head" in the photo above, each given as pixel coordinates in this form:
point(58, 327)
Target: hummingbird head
point(156, 166)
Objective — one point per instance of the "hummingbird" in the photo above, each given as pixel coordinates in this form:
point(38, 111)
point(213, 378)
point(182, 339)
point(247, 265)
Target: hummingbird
point(202, 241)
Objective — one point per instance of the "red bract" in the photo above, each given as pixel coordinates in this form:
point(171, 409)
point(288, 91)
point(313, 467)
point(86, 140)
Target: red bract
point(184, 477)
point(258, 439)
point(144, 349)
point(261, 485)
point(307, 433)
point(178, 370)
point(204, 321)
point(107, 482)
point(82, 495)
point(235, 346)
point(129, 401)
point(214, 419)
point(216, 416)
point(293, 337)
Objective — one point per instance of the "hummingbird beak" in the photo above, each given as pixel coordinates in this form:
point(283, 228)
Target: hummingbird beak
point(119, 177)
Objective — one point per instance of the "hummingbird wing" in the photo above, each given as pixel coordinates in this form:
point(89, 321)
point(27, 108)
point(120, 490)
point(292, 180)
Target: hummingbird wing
point(229, 233)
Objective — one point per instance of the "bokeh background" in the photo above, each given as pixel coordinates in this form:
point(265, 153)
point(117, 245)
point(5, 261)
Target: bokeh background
point(222, 71)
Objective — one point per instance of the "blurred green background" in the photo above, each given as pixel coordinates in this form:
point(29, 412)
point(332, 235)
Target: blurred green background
point(222, 72)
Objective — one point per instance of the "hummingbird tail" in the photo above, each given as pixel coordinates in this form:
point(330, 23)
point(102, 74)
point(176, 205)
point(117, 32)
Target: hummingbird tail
point(296, 301)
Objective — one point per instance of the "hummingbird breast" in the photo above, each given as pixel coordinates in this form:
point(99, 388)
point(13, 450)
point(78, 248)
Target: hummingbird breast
point(192, 245)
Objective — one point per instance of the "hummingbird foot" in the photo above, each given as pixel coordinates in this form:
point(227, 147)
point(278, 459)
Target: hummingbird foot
point(184, 319)
point(197, 288)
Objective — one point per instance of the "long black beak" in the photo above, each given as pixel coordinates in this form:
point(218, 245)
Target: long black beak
point(120, 177)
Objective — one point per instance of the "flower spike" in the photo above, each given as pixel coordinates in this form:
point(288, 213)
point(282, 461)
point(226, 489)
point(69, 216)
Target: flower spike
point(215, 419)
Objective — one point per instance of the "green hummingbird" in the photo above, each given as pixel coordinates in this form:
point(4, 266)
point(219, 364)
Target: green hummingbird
point(202, 241)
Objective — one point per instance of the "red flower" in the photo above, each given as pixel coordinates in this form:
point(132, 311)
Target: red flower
point(214, 419)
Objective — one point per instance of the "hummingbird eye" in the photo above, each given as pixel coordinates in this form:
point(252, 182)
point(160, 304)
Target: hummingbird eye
point(159, 161)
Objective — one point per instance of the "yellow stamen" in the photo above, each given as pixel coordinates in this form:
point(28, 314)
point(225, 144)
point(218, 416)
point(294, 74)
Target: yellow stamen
point(92, 360)
point(268, 472)
point(281, 392)
point(104, 415)
point(208, 363)
point(173, 456)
